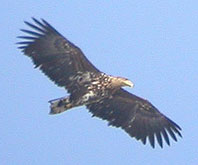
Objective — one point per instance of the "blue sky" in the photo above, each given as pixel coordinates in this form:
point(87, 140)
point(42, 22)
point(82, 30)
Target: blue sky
point(153, 43)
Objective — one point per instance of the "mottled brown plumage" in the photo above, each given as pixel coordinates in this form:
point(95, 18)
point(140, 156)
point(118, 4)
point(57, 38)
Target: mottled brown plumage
point(103, 95)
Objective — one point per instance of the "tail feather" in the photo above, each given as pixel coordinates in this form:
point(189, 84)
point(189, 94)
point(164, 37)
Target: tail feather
point(60, 105)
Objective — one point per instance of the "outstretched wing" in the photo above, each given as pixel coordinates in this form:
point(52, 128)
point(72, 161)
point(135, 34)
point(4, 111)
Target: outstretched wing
point(57, 57)
point(138, 117)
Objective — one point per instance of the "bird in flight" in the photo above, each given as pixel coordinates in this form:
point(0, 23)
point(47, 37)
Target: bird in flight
point(103, 95)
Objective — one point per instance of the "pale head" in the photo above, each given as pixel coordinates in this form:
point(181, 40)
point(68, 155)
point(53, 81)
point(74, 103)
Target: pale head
point(121, 82)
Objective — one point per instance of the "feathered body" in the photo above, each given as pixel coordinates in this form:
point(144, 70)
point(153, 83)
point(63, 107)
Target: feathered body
point(88, 88)
point(65, 64)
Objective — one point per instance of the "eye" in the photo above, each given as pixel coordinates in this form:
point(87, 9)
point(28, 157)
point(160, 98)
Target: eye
point(80, 79)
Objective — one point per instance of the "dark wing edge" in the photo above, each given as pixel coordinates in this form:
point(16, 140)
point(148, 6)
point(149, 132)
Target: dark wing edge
point(57, 57)
point(138, 117)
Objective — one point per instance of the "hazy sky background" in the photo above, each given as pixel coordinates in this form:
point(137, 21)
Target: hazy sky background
point(153, 43)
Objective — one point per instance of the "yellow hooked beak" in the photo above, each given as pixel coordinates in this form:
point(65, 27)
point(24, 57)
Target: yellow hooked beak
point(129, 83)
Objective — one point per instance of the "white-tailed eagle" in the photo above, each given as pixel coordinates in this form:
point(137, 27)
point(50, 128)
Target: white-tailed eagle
point(66, 65)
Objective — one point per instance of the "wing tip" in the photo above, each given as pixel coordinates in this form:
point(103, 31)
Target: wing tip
point(161, 137)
